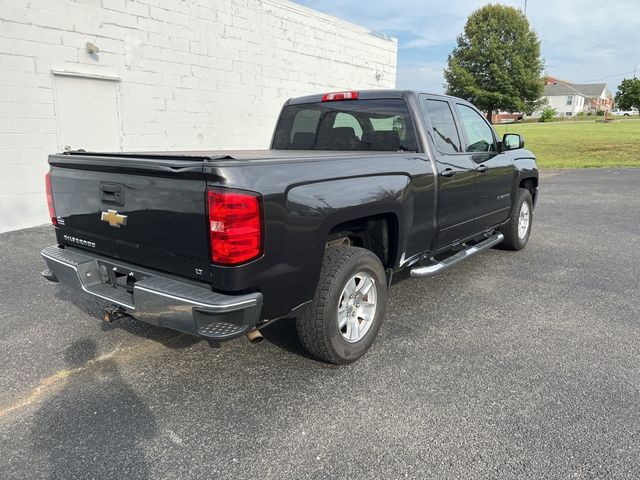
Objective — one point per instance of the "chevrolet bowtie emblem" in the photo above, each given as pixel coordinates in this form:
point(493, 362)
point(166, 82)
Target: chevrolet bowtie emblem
point(113, 218)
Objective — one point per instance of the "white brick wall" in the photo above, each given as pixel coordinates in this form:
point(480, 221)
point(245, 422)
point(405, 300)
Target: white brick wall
point(193, 74)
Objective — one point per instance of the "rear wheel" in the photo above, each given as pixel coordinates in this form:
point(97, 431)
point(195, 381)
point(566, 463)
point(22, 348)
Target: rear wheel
point(344, 318)
point(518, 228)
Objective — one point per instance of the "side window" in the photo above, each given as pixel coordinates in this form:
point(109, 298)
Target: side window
point(348, 120)
point(445, 133)
point(479, 133)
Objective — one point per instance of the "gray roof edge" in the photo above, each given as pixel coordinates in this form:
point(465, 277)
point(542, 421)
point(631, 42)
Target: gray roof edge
point(586, 90)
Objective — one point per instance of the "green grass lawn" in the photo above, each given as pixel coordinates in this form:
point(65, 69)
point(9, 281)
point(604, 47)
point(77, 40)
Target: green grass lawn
point(581, 144)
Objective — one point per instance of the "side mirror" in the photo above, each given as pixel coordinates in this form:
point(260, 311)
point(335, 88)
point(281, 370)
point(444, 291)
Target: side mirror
point(512, 141)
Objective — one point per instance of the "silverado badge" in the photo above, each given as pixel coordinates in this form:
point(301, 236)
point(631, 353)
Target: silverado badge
point(113, 218)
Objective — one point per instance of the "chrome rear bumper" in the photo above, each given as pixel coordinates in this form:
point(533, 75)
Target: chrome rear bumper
point(154, 297)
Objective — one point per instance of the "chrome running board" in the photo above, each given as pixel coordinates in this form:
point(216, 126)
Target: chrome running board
point(441, 266)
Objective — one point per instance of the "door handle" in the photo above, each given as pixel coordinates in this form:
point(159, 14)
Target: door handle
point(482, 168)
point(448, 172)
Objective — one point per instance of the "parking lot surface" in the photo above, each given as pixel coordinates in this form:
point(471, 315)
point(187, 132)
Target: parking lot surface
point(512, 365)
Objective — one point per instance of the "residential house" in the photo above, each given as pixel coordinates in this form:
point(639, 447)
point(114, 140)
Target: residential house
point(570, 99)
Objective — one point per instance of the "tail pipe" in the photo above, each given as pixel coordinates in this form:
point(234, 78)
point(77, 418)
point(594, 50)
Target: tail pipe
point(254, 335)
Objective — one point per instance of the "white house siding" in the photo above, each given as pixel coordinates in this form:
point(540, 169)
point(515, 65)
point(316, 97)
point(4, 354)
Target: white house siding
point(180, 74)
point(559, 102)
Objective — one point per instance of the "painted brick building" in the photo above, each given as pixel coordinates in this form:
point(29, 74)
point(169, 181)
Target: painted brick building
point(161, 74)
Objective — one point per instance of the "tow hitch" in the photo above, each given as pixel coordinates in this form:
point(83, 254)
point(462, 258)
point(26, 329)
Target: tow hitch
point(112, 313)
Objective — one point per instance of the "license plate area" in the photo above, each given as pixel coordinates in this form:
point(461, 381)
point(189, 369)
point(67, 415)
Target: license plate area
point(119, 277)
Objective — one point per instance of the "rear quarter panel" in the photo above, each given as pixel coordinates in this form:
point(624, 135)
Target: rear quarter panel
point(304, 199)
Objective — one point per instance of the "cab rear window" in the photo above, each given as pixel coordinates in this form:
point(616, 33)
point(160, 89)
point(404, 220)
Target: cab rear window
point(377, 125)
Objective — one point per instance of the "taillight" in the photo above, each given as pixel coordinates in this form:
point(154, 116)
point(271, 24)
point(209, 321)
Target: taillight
point(338, 96)
point(52, 210)
point(234, 226)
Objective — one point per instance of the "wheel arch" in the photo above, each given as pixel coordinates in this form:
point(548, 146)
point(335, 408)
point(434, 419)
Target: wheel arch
point(378, 233)
point(531, 184)
point(527, 174)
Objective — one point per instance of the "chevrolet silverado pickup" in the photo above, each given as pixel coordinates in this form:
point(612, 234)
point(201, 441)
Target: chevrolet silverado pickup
point(357, 186)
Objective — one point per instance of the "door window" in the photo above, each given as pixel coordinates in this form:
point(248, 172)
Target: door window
point(445, 133)
point(479, 133)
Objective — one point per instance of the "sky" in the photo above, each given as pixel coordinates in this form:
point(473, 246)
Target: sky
point(583, 41)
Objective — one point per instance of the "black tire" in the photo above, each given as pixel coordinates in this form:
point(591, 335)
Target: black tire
point(318, 324)
point(512, 241)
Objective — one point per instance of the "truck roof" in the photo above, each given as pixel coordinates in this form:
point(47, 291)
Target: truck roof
point(364, 95)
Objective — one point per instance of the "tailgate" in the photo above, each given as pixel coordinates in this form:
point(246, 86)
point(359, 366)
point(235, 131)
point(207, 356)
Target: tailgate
point(143, 209)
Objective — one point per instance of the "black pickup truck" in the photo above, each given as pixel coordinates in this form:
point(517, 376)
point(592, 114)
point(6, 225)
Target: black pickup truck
point(356, 187)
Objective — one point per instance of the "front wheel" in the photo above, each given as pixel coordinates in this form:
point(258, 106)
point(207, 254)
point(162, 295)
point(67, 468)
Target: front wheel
point(518, 228)
point(344, 318)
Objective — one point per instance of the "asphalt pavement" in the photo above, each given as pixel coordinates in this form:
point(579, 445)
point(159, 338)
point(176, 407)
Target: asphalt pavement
point(511, 365)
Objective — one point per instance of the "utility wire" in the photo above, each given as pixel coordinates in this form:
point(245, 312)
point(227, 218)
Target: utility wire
point(611, 76)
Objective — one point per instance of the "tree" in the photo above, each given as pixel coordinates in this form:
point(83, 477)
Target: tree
point(496, 64)
point(628, 95)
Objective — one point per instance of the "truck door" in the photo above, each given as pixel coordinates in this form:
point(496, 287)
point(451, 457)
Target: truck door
point(456, 171)
point(496, 171)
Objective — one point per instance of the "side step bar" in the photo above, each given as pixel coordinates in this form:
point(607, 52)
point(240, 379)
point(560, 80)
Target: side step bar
point(431, 270)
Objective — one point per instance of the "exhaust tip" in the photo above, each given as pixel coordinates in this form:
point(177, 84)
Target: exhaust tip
point(254, 336)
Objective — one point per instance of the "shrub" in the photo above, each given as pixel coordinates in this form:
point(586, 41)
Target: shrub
point(600, 113)
point(548, 114)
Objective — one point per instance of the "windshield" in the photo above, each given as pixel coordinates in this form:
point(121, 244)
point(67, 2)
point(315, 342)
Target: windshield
point(383, 125)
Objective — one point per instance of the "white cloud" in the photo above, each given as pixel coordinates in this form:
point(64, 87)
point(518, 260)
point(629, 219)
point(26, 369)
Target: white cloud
point(592, 41)
point(582, 40)
point(427, 77)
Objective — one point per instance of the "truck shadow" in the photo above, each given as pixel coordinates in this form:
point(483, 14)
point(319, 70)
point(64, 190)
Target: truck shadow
point(93, 310)
point(283, 334)
point(92, 424)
